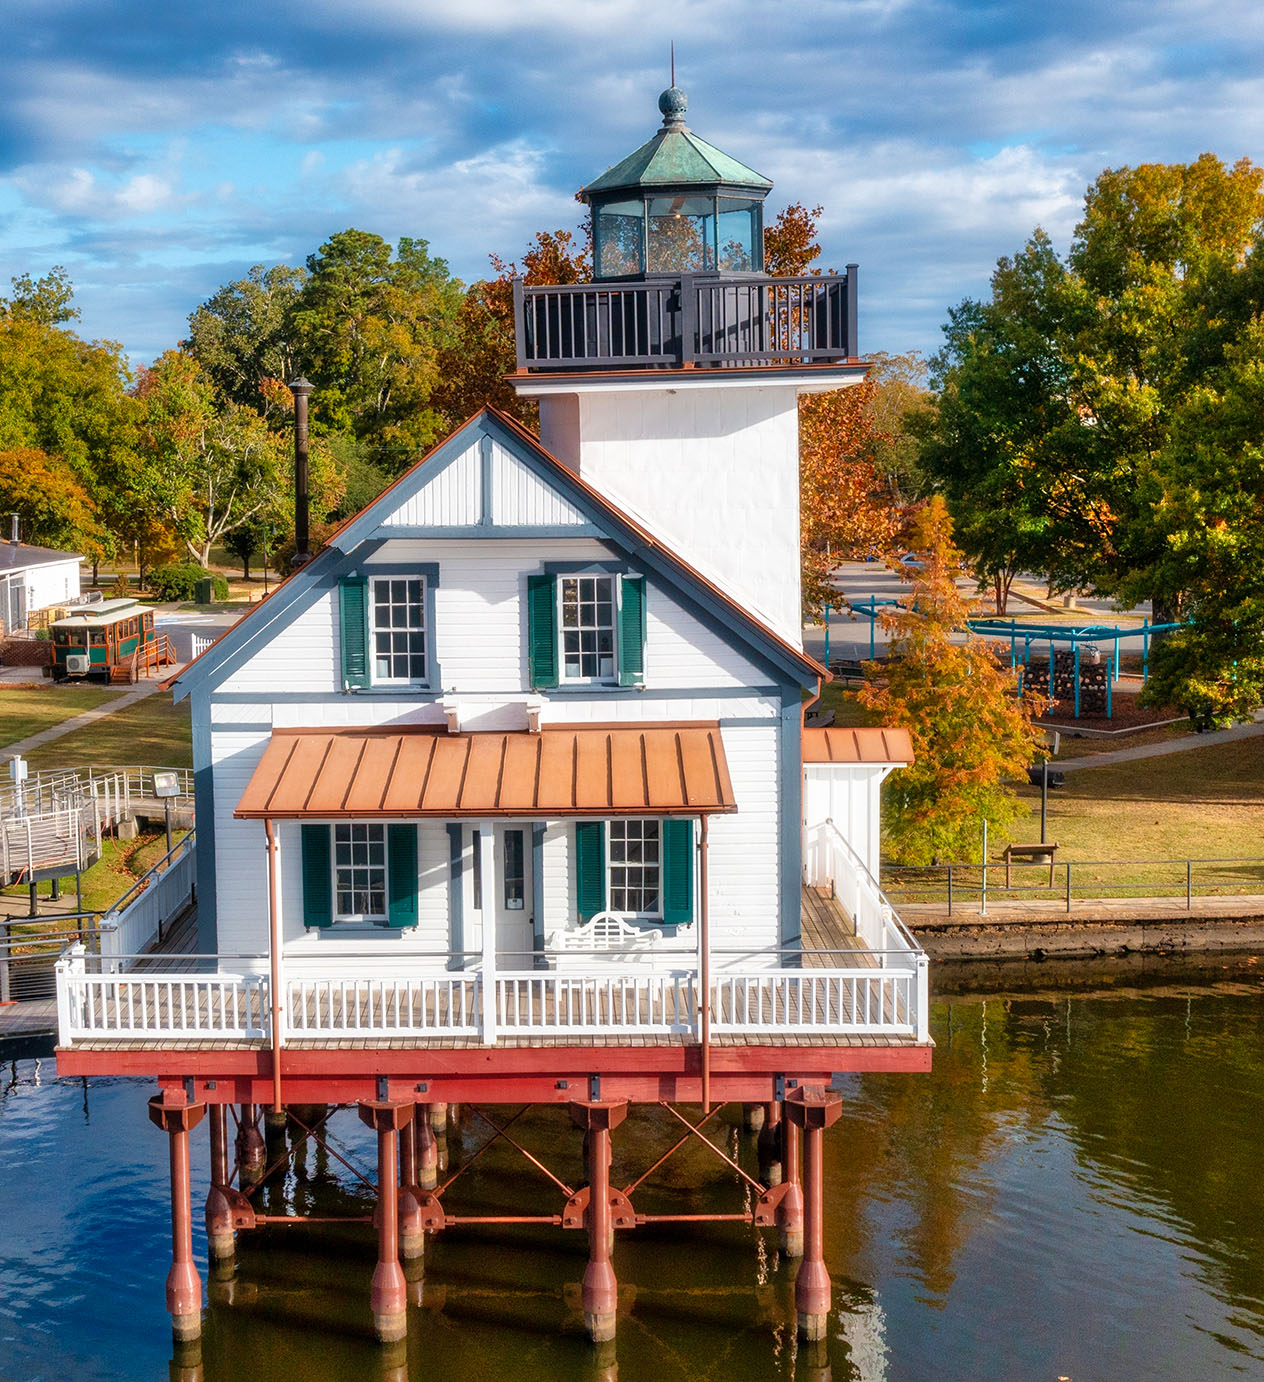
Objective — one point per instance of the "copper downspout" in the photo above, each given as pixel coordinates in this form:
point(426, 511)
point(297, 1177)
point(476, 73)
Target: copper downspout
point(704, 922)
point(274, 956)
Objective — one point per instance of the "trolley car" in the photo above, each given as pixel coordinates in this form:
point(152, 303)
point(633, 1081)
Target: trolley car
point(99, 638)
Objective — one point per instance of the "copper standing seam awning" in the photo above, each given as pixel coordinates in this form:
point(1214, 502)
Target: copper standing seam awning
point(857, 746)
point(564, 770)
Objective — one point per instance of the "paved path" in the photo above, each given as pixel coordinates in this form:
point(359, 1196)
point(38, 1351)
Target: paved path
point(87, 717)
point(1138, 751)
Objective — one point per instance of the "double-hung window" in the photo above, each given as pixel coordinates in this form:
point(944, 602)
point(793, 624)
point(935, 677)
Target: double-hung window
point(397, 627)
point(588, 627)
point(359, 872)
point(641, 868)
point(634, 881)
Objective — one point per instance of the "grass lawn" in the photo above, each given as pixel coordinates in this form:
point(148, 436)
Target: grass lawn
point(152, 732)
point(26, 710)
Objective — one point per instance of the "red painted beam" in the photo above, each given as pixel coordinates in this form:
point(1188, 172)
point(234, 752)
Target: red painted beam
point(508, 1075)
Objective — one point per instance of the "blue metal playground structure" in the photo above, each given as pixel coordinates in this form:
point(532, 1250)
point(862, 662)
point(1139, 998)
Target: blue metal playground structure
point(1024, 634)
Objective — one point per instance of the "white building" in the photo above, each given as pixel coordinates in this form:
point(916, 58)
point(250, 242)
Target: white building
point(33, 578)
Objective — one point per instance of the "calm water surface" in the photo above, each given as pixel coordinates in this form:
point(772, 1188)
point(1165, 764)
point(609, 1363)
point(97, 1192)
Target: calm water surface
point(1076, 1192)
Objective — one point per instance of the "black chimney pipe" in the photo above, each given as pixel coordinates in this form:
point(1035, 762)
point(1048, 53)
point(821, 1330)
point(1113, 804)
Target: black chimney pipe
point(300, 388)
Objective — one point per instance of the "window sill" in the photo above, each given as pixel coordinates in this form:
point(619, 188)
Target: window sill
point(357, 928)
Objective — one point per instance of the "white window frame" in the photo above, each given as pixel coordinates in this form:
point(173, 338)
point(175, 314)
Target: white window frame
point(371, 612)
point(616, 585)
point(352, 918)
point(611, 865)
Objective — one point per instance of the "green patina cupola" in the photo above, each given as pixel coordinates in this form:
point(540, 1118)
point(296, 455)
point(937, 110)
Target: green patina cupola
point(677, 205)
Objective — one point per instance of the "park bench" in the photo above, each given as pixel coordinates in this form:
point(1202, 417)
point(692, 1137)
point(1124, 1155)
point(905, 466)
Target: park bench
point(847, 670)
point(608, 933)
point(1029, 854)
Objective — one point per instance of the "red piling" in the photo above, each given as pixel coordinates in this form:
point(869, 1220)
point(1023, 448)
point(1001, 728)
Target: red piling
point(221, 1236)
point(790, 1210)
point(600, 1292)
point(427, 1150)
point(388, 1297)
point(813, 1109)
point(252, 1156)
point(177, 1117)
point(769, 1145)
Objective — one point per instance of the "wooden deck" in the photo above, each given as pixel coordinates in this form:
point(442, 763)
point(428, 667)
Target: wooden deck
point(826, 928)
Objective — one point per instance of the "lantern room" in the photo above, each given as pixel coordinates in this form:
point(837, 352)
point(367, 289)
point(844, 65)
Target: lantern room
point(677, 205)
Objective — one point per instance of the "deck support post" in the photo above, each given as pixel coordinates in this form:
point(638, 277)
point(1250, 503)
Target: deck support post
point(768, 1146)
point(753, 1116)
point(252, 1158)
point(412, 1237)
point(790, 1210)
point(221, 1236)
point(388, 1297)
point(598, 1118)
point(813, 1108)
point(177, 1117)
point(427, 1163)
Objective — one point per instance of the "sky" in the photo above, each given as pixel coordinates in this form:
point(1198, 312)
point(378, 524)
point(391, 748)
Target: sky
point(158, 150)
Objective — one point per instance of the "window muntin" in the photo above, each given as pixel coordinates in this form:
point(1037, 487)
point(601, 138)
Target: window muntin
point(397, 628)
point(634, 883)
point(588, 626)
point(359, 872)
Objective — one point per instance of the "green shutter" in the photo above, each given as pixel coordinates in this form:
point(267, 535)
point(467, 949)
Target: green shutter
point(677, 872)
point(590, 868)
point(318, 900)
point(632, 631)
point(401, 875)
point(353, 626)
point(542, 630)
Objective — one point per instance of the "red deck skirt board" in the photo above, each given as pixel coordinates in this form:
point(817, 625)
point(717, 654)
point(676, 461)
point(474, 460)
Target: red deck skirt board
point(498, 1075)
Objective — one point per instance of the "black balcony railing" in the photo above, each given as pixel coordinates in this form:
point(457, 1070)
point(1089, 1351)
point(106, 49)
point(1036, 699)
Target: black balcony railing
point(692, 322)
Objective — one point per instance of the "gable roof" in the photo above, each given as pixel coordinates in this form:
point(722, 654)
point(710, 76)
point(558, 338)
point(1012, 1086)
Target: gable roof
point(347, 545)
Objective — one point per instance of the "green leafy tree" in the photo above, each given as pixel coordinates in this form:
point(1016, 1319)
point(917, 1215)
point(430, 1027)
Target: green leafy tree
point(212, 466)
point(972, 733)
point(243, 334)
point(369, 330)
point(53, 507)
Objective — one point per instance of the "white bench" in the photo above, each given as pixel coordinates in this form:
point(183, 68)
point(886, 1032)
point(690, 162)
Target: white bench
point(608, 935)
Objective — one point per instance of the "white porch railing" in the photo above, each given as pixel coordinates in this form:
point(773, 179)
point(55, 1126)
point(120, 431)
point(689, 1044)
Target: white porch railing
point(830, 861)
point(135, 921)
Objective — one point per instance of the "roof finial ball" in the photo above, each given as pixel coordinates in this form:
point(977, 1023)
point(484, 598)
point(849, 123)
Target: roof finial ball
point(673, 103)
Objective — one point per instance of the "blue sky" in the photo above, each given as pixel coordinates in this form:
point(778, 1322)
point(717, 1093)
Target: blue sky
point(158, 150)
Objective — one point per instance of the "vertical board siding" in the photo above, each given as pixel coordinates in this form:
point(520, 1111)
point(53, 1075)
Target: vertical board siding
point(452, 498)
point(520, 498)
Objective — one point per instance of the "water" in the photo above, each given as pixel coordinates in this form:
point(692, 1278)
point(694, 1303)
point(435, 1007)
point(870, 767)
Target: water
point(1075, 1192)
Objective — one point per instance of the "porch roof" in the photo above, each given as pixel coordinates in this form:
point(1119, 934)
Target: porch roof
point(857, 746)
point(563, 770)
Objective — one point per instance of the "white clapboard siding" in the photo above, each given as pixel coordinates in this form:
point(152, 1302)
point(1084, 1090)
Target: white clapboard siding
point(520, 498)
point(559, 881)
point(308, 641)
point(744, 847)
point(241, 865)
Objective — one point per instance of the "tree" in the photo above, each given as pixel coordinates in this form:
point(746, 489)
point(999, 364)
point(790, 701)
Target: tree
point(1074, 405)
point(844, 511)
point(473, 365)
point(55, 509)
point(971, 731)
point(790, 242)
point(370, 330)
point(212, 466)
point(243, 334)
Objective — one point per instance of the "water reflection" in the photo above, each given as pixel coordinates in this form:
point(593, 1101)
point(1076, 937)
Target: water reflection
point(1074, 1192)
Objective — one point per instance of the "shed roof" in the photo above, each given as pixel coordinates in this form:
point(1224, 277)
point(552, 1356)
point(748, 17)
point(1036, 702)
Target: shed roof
point(857, 746)
point(17, 556)
point(564, 770)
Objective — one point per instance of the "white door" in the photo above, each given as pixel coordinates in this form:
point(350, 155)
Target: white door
point(511, 901)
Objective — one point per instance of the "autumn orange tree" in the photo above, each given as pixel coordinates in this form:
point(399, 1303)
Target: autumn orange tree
point(972, 732)
point(844, 509)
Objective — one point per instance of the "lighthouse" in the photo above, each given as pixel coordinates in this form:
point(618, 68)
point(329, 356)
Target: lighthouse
point(671, 382)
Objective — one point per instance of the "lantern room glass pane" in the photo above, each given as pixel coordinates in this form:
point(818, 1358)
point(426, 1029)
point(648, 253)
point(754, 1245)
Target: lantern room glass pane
point(740, 235)
point(681, 234)
point(618, 233)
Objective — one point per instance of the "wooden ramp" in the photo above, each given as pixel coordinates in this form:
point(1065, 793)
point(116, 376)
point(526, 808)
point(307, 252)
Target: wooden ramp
point(826, 928)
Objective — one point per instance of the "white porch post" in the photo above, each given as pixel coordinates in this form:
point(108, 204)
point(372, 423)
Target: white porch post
point(277, 979)
point(487, 922)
